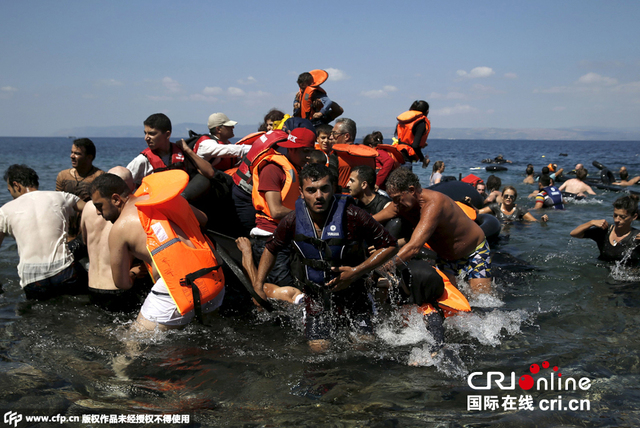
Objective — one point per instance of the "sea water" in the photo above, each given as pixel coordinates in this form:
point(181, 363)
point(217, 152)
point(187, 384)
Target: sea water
point(553, 302)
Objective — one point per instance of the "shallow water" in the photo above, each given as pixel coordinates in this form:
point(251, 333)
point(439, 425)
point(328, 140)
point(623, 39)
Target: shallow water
point(553, 302)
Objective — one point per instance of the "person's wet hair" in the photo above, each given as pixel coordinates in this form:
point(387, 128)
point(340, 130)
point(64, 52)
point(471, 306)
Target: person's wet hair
point(22, 175)
point(158, 121)
point(581, 173)
point(545, 180)
point(513, 189)
point(87, 145)
point(110, 184)
point(401, 179)
point(366, 173)
point(624, 175)
point(493, 183)
point(316, 171)
point(530, 170)
point(628, 203)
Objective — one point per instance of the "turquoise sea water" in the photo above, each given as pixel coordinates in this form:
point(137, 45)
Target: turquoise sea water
point(554, 302)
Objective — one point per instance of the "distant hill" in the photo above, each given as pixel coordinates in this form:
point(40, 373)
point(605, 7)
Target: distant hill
point(180, 130)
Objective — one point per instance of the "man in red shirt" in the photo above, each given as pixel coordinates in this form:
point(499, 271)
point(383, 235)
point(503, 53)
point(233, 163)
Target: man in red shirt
point(275, 190)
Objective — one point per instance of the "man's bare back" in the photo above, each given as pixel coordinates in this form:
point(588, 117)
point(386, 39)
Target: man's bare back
point(95, 232)
point(444, 226)
point(577, 187)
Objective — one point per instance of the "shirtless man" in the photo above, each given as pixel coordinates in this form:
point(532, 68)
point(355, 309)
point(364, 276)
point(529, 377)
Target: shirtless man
point(95, 233)
point(577, 186)
point(438, 221)
point(624, 178)
point(127, 240)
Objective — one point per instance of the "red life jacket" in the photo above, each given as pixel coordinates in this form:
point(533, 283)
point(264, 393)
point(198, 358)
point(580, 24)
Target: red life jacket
point(177, 159)
point(261, 143)
point(472, 179)
point(224, 163)
point(393, 151)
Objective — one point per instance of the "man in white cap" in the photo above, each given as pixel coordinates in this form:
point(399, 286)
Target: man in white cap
point(216, 147)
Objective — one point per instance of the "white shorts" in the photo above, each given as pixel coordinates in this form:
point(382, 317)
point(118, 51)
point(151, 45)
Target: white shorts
point(159, 306)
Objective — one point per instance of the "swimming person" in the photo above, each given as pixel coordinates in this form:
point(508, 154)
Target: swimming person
point(158, 226)
point(577, 186)
point(548, 195)
point(39, 222)
point(507, 210)
point(615, 241)
point(624, 178)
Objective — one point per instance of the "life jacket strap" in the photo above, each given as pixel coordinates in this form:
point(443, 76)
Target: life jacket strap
point(189, 281)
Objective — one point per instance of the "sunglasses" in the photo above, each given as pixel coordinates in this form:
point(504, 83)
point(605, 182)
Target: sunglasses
point(509, 196)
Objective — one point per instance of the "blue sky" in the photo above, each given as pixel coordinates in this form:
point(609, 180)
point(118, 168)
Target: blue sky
point(505, 64)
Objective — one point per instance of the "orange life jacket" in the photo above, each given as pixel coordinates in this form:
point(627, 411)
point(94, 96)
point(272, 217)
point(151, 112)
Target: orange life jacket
point(290, 191)
point(407, 148)
point(406, 122)
point(350, 155)
point(177, 159)
point(190, 274)
point(451, 301)
point(469, 211)
point(306, 100)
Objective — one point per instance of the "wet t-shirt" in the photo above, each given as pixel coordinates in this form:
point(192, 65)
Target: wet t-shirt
point(610, 252)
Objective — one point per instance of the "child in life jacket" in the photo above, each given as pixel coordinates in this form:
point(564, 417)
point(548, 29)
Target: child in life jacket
point(311, 101)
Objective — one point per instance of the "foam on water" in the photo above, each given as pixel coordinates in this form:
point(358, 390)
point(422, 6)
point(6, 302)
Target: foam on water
point(488, 328)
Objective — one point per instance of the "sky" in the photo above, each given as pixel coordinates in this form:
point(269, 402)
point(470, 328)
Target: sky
point(502, 64)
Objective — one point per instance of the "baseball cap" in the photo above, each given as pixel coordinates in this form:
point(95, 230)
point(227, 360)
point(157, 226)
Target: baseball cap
point(220, 119)
point(299, 138)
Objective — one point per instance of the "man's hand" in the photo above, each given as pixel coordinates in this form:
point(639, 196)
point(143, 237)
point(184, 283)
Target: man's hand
point(602, 224)
point(426, 161)
point(137, 272)
point(345, 278)
point(182, 145)
point(244, 245)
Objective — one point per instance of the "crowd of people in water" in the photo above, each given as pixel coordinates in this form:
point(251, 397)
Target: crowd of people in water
point(297, 211)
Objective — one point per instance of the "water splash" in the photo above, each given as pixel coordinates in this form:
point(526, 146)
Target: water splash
point(621, 271)
point(488, 328)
